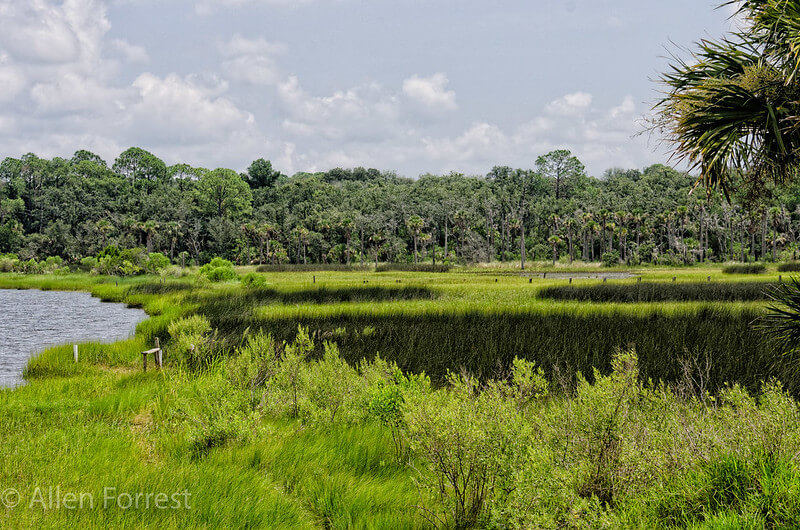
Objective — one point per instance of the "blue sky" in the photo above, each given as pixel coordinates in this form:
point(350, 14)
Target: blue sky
point(409, 85)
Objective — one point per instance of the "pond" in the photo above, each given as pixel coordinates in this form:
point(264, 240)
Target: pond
point(31, 321)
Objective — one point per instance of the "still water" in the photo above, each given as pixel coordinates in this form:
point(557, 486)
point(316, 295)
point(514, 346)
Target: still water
point(31, 321)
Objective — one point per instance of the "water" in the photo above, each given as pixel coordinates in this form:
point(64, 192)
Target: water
point(31, 321)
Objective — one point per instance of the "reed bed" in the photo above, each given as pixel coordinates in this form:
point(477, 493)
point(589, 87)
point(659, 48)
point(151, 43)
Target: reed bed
point(745, 268)
point(411, 267)
point(642, 292)
point(314, 267)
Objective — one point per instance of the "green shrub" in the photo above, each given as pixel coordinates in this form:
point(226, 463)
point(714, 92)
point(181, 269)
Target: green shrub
point(789, 267)
point(8, 262)
point(216, 414)
point(156, 262)
point(472, 439)
point(31, 267)
point(254, 364)
point(218, 270)
point(52, 263)
point(88, 263)
point(610, 259)
point(745, 268)
point(253, 280)
point(191, 341)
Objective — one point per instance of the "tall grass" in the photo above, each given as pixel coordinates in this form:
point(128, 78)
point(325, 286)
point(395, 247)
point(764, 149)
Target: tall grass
point(313, 267)
point(745, 268)
point(564, 343)
point(661, 292)
point(412, 267)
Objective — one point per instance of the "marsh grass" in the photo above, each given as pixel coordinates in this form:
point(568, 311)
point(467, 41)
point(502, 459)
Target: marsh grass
point(486, 344)
point(614, 448)
point(662, 292)
point(411, 267)
point(745, 268)
point(314, 267)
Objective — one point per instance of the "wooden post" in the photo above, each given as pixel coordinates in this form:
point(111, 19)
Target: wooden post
point(780, 278)
point(639, 279)
point(158, 355)
point(709, 278)
point(605, 280)
point(144, 361)
point(530, 280)
point(674, 279)
point(75, 352)
point(570, 281)
point(315, 278)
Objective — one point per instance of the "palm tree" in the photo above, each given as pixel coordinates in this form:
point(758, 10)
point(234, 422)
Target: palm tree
point(555, 241)
point(415, 223)
point(735, 105)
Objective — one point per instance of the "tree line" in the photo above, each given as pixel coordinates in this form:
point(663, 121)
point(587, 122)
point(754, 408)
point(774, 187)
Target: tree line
point(79, 207)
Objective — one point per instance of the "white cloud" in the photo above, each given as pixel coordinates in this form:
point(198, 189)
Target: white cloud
point(239, 45)
point(12, 81)
point(131, 53)
point(73, 92)
point(431, 91)
point(252, 61)
point(574, 103)
point(358, 113)
point(174, 110)
point(208, 7)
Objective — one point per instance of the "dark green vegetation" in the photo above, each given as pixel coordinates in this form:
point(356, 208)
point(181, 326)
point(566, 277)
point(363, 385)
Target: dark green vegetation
point(662, 292)
point(752, 268)
point(138, 215)
point(411, 267)
point(312, 267)
point(789, 267)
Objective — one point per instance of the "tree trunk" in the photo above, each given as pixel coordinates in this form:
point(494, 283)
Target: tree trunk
point(446, 235)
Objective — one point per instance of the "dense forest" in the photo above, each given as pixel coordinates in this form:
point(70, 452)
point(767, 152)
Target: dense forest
point(81, 207)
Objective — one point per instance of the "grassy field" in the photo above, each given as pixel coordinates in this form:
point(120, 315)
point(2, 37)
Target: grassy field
point(259, 436)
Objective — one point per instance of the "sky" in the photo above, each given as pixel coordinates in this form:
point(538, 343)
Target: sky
point(414, 86)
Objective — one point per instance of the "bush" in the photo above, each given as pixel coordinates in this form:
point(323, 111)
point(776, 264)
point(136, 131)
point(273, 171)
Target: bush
point(128, 262)
point(52, 264)
point(789, 267)
point(253, 280)
point(217, 414)
point(218, 270)
point(191, 341)
point(8, 262)
point(472, 439)
point(610, 259)
point(745, 268)
point(254, 364)
point(88, 263)
point(156, 262)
